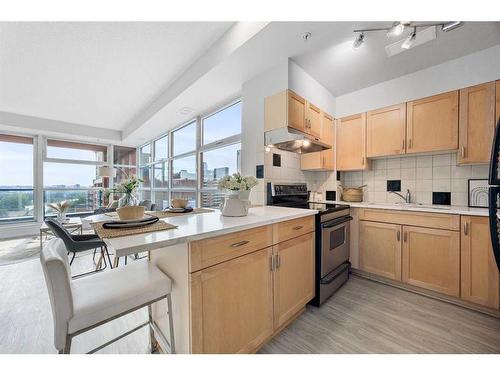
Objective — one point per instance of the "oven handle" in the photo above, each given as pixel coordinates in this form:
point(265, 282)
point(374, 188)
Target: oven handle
point(335, 222)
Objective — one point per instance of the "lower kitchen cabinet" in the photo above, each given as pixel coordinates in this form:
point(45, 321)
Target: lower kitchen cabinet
point(233, 305)
point(380, 249)
point(293, 277)
point(431, 259)
point(479, 273)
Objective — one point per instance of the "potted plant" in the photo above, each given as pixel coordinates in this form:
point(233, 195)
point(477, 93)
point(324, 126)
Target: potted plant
point(128, 188)
point(237, 189)
point(61, 208)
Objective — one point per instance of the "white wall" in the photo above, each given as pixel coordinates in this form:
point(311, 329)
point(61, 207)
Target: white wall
point(252, 132)
point(306, 86)
point(476, 68)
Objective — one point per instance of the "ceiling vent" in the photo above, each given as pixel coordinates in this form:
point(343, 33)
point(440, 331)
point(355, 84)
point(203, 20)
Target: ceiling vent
point(186, 111)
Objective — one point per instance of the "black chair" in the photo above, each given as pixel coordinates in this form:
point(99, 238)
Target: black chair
point(76, 243)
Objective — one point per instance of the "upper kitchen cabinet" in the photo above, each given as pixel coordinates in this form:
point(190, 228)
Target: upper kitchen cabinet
point(432, 123)
point(351, 143)
point(476, 123)
point(327, 129)
point(287, 109)
point(317, 161)
point(386, 131)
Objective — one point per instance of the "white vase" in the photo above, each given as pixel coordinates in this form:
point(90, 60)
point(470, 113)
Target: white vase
point(244, 194)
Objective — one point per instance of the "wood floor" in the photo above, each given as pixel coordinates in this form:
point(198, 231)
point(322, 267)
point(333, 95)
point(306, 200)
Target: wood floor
point(363, 317)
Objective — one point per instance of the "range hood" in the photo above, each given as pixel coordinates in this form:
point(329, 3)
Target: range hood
point(290, 139)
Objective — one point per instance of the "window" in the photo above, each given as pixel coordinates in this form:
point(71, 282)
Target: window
point(222, 124)
point(179, 165)
point(184, 139)
point(124, 155)
point(16, 179)
point(161, 148)
point(75, 151)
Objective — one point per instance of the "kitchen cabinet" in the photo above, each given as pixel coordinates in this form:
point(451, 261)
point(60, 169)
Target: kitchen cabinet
point(380, 249)
point(476, 123)
point(318, 161)
point(233, 305)
point(386, 131)
point(288, 109)
point(432, 123)
point(351, 143)
point(313, 121)
point(327, 129)
point(497, 106)
point(293, 277)
point(431, 259)
point(479, 273)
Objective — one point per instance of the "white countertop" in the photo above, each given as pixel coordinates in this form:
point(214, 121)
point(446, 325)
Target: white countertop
point(455, 210)
point(198, 226)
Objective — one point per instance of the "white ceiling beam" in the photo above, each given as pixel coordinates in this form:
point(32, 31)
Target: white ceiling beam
point(233, 39)
point(40, 125)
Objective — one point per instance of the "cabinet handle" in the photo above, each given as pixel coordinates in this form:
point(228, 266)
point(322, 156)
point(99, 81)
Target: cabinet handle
point(272, 262)
point(466, 228)
point(278, 261)
point(409, 143)
point(462, 151)
point(398, 236)
point(405, 236)
point(238, 244)
point(298, 227)
point(363, 160)
point(403, 147)
point(324, 161)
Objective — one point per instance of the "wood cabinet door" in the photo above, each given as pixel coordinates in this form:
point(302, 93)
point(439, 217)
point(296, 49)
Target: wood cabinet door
point(479, 273)
point(476, 123)
point(313, 122)
point(380, 249)
point(327, 162)
point(293, 277)
point(431, 259)
point(232, 305)
point(386, 131)
point(327, 131)
point(351, 143)
point(432, 123)
point(310, 161)
point(296, 111)
point(497, 94)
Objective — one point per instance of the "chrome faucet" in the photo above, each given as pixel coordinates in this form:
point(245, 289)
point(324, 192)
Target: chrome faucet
point(407, 197)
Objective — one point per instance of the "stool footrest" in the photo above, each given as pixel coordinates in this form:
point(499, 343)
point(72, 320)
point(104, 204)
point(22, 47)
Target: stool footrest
point(118, 338)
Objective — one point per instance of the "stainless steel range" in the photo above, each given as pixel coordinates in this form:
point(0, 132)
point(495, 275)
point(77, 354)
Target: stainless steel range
point(332, 236)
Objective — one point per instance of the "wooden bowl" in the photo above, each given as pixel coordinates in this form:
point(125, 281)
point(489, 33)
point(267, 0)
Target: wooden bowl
point(131, 212)
point(352, 194)
point(178, 203)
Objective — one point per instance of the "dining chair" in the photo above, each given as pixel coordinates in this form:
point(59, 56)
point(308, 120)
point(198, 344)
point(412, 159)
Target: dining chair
point(77, 243)
point(88, 302)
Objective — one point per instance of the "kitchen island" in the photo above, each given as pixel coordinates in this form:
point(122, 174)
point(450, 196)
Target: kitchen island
point(237, 281)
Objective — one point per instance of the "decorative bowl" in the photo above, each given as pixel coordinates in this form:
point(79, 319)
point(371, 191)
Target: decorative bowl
point(178, 203)
point(130, 212)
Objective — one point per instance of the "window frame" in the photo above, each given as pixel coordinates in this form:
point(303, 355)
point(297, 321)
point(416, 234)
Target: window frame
point(197, 152)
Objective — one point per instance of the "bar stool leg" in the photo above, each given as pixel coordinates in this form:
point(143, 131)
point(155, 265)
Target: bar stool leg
point(153, 344)
point(171, 324)
point(67, 347)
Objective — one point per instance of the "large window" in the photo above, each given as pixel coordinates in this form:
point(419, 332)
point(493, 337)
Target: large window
point(16, 179)
point(188, 167)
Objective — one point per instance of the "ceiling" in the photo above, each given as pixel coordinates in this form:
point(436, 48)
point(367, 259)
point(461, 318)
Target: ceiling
point(95, 73)
point(342, 69)
point(128, 82)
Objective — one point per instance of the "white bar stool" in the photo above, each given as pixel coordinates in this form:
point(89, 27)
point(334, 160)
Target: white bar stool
point(88, 302)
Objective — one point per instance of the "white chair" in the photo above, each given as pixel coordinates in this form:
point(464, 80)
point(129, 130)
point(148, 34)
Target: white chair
point(85, 303)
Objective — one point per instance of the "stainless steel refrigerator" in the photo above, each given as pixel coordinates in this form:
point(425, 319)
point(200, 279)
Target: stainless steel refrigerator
point(494, 195)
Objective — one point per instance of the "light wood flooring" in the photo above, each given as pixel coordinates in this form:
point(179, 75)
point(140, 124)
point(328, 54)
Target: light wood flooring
point(362, 317)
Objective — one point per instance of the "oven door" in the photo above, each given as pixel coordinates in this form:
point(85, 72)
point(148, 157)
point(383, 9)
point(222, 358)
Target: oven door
point(334, 244)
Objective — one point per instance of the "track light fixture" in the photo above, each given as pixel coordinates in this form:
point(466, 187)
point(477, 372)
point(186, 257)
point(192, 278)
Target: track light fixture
point(358, 41)
point(398, 27)
point(408, 42)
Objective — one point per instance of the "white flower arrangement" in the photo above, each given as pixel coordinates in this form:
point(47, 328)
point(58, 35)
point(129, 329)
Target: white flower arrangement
point(237, 182)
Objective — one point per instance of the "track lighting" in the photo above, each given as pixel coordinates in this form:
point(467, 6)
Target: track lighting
point(358, 41)
point(451, 25)
point(396, 29)
point(410, 40)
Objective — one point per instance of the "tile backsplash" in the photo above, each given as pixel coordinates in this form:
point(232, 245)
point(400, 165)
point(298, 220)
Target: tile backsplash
point(422, 175)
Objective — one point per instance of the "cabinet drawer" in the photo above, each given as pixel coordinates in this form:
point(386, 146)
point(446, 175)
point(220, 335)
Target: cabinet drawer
point(292, 228)
point(418, 219)
point(205, 253)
